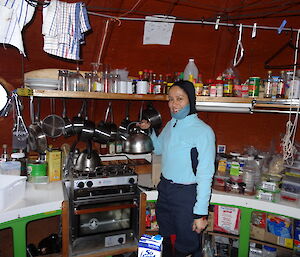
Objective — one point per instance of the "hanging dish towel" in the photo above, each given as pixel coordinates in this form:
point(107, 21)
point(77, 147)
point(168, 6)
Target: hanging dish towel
point(64, 25)
point(14, 15)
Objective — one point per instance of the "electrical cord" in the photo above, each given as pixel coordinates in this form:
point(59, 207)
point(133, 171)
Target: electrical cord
point(288, 140)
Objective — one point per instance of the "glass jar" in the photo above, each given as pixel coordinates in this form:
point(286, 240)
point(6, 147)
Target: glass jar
point(63, 80)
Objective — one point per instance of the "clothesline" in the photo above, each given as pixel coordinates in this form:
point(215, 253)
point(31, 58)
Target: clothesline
point(200, 22)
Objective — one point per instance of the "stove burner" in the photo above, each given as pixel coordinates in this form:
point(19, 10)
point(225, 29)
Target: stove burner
point(104, 171)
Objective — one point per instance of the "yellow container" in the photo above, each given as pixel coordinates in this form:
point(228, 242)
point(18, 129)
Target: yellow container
point(54, 165)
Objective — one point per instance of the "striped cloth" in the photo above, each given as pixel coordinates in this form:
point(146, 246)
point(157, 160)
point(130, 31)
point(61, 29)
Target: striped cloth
point(14, 15)
point(64, 25)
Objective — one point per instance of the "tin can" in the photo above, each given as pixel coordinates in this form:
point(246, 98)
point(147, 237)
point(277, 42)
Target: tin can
point(37, 168)
point(253, 87)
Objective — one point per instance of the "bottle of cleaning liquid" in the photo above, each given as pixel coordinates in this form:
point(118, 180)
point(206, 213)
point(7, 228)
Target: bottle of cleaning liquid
point(191, 70)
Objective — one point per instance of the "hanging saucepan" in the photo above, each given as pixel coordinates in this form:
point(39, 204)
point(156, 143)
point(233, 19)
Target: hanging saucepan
point(137, 142)
point(152, 115)
point(102, 133)
point(78, 121)
point(88, 160)
point(88, 129)
point(68, 130)
point(111, 125)
point(37, 140)
point(124, 124)
point(53, 125)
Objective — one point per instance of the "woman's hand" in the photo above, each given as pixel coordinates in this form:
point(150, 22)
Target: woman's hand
point(144, 124)
point(200, 224)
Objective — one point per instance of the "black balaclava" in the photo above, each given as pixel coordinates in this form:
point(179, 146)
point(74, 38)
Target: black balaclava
point(189, 89)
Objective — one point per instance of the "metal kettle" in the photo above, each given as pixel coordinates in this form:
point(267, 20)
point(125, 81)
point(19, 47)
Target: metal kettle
point(138, 142)
point(88, 160)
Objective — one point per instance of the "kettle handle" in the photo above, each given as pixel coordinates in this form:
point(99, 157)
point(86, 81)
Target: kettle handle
point(130, 124)
point(89, 149)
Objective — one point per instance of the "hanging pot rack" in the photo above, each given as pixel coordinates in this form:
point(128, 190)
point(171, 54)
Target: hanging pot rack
point(216, 23)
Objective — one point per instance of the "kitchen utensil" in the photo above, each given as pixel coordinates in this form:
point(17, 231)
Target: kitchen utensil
point(53, 125)
point(88, 160)
point(78, 121)
point(137, 142)
point(88, 129)
point(20, 132)
point(68, 129)
point(37, 139)
point(152, 115)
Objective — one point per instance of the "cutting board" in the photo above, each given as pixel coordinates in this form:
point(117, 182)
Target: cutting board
point(47, 73)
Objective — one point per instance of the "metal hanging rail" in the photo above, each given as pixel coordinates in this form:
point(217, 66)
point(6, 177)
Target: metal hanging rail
point(200, 22)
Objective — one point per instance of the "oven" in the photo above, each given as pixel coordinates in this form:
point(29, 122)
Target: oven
point(104, 210)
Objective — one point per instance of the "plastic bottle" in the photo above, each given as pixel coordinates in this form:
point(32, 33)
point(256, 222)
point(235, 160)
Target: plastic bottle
point(251, 175)
point(4, 155)
point(191, 69)
point(281, 86)
point(268, 85)
point(20, 157)
point(219, 85)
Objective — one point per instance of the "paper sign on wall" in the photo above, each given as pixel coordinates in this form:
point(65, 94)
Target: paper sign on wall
point(158, 29)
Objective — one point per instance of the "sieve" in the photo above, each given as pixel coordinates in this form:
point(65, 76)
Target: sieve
point(53, 125)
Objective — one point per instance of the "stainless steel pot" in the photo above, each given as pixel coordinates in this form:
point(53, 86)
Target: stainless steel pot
point(152, 115)
point(37, 139)
point(137, 142)
point(78, 121)
point(68, 130)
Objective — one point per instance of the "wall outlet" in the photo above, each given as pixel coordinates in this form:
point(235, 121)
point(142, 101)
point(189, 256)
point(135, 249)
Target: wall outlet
point(221, 148)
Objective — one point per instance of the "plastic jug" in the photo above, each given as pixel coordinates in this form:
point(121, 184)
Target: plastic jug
point(191, 70)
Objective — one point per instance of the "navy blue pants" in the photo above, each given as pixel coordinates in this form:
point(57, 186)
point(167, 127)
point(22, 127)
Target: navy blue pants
point(174, 213)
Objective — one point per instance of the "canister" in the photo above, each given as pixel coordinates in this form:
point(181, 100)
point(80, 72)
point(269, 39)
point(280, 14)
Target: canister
point(253, 87)
point(37, 171)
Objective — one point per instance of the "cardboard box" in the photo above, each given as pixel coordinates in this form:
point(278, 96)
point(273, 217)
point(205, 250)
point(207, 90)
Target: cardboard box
point(257, 233)
point(54, 165)
point(150, 246)
point(261, 234)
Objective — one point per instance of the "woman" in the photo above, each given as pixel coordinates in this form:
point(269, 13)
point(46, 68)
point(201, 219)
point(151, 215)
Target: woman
point(187, 146)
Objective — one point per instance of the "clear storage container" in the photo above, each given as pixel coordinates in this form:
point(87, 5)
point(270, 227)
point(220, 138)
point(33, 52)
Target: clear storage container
point(10, 168)
point(291, 184)
point(12, 190)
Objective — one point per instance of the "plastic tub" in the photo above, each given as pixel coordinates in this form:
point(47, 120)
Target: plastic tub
point(291, 184)
point(285, 195)
point(12, 190)
point(10, 168)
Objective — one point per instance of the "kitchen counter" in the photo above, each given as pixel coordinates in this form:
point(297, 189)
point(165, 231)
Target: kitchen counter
point(280, 207)
point(39, 201)
point(247, 204)
point(38, 198)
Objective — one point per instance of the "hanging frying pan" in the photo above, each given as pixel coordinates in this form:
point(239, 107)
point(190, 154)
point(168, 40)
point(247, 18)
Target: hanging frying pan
point(68, 130)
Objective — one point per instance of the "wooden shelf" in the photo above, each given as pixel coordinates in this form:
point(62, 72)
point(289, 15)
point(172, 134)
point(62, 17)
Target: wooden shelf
point(214, 233)
point(257, 102)
point(89, 95)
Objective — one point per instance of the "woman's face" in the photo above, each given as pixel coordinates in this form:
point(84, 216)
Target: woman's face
point(177, 99)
